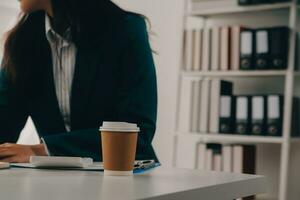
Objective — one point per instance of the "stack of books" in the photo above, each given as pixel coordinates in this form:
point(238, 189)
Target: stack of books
point(209, 106)
point(235, 48)
point(199, 104)
point(227, 158)
point(260, 115)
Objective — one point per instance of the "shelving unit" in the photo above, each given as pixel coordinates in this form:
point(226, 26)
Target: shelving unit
point(288, 77)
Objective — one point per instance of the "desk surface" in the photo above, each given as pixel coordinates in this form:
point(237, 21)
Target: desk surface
point(159, 184)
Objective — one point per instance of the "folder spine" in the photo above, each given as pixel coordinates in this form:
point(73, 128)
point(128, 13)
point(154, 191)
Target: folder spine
point(243, 115)
point(275, 115)
point(279, 47)
point(227, 114)
point(259, 111)
point(246, 49)
point(262, 49)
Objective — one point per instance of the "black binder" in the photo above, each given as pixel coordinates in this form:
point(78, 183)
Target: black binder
point(261, 1)
point(279, 47)
point(227, 114)
point(247, 43)
point(243, 115)
point(259, 115)
point(255, 2)
point(244, 2)
point(275, 115)
point(262, 49)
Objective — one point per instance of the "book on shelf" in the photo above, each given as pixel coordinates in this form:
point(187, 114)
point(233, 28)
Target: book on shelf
point(215, 49)
point(279, 47)
point(244, 2)
point(247, 39)
point(206, 53)
point(243, 115)
point(275, 115)
point(208, 159)
point(259, 115)
point(185, 108)
point(244, 159)
point(196, 108)
point(213, 159)
point(261, 59)
point(227, 114)
point(218, 88)
point(235, 47)
point(217, 162)
point(255, 2)
point(228, 158)
point(192, 39)
point(205, 105)
point(227, 161)
point(225, 48)
point(259, 2)
point(188, 49)
point(197, 49)
point(201, 154)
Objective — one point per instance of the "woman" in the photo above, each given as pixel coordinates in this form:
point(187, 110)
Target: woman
point(70, 65)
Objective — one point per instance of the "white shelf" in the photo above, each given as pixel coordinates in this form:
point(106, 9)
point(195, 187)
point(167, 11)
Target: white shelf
point(256, 73)
point(235, 139)
point(239, 9)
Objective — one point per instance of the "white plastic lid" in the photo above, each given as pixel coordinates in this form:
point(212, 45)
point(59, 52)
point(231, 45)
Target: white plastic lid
point(119, 127)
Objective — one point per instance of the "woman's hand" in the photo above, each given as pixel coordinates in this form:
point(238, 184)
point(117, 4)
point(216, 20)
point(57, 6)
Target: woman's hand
point(16, 153)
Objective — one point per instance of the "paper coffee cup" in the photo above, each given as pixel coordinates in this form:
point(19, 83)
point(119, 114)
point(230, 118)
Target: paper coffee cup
point(119, 141)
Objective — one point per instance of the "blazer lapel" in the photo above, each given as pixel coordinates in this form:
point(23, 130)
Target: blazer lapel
point(54, 101)
point(47, 102)
point(84, 76)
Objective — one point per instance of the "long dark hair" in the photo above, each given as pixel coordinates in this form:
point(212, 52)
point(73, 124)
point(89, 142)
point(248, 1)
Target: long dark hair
point(25, 45)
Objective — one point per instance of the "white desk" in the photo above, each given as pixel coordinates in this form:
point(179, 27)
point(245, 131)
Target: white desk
point(160, 184)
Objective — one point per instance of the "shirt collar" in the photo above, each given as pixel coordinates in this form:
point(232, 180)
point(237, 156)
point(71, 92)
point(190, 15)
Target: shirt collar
point(54, 37)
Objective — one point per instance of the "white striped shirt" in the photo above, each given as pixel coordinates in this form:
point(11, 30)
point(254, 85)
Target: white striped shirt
point(63, 59)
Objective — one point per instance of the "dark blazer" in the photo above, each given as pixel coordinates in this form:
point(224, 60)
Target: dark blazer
point(113, 81)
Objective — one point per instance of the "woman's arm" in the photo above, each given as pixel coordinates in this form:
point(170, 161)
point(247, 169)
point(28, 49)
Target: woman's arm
point(13, 117)
point(13, 112)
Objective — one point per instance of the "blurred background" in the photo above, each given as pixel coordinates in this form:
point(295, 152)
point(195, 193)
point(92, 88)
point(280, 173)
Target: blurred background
point(228, 86)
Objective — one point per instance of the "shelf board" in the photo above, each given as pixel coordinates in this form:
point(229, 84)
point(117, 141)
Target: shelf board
point(255, 73)
point(235, 139)
point(240, 9)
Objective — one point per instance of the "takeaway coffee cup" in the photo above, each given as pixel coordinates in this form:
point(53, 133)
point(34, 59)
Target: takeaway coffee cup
point(119, 141)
